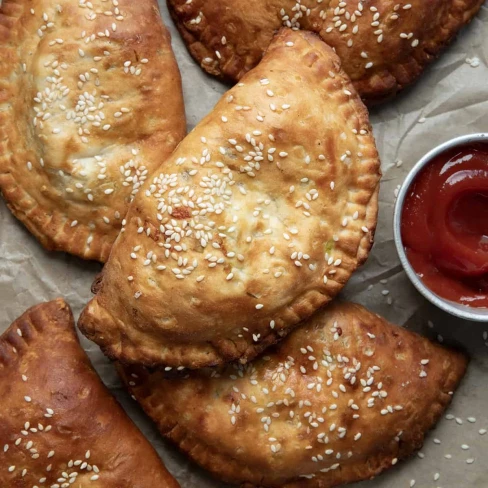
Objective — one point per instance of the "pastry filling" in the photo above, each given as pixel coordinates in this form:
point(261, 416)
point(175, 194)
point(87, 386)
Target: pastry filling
point(445, 225)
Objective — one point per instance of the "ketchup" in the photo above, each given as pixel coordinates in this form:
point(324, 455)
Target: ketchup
point(445, 225)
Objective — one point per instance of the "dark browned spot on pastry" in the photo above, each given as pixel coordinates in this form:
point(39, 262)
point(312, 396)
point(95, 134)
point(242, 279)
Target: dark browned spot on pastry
point(181, 213)
point(97, 283)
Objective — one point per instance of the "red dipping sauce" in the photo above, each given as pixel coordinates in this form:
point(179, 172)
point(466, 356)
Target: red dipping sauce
point(445, 225)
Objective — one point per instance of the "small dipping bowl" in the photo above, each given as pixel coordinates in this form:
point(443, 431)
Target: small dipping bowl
point(456, 309)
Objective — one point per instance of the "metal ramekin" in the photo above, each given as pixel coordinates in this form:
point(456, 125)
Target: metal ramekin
point(456, 309)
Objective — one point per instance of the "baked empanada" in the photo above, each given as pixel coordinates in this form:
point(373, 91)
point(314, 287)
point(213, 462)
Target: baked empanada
point(343, 398)
point(59, 425)
point(257, 219)
point(384, 44)
point(90, 104)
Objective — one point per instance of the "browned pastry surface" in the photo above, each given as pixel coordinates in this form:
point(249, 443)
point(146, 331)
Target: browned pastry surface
point(384, 44)
point(90, 104)
point(258, 218)
point(342, 398)
point(59, 425)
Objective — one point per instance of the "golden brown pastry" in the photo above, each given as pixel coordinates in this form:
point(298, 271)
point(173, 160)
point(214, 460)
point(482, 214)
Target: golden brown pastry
point(59, 425)
point(257, 219)
point(343, 398)
point(384, 44)
point(90, 104)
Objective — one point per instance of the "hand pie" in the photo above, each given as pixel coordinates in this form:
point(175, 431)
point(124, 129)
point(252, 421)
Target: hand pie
point(343, 398)
point(90, 104)
point(59, 425)
point(384, 45)
point(257, 219)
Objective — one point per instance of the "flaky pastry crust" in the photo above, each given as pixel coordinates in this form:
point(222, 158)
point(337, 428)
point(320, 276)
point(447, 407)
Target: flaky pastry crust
point(90, 104)
point(341, 399)
point(384, 44)
point(258, 218)
point(57, 419)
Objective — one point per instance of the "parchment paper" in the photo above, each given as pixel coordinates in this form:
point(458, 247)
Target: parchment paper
point(452, 97)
